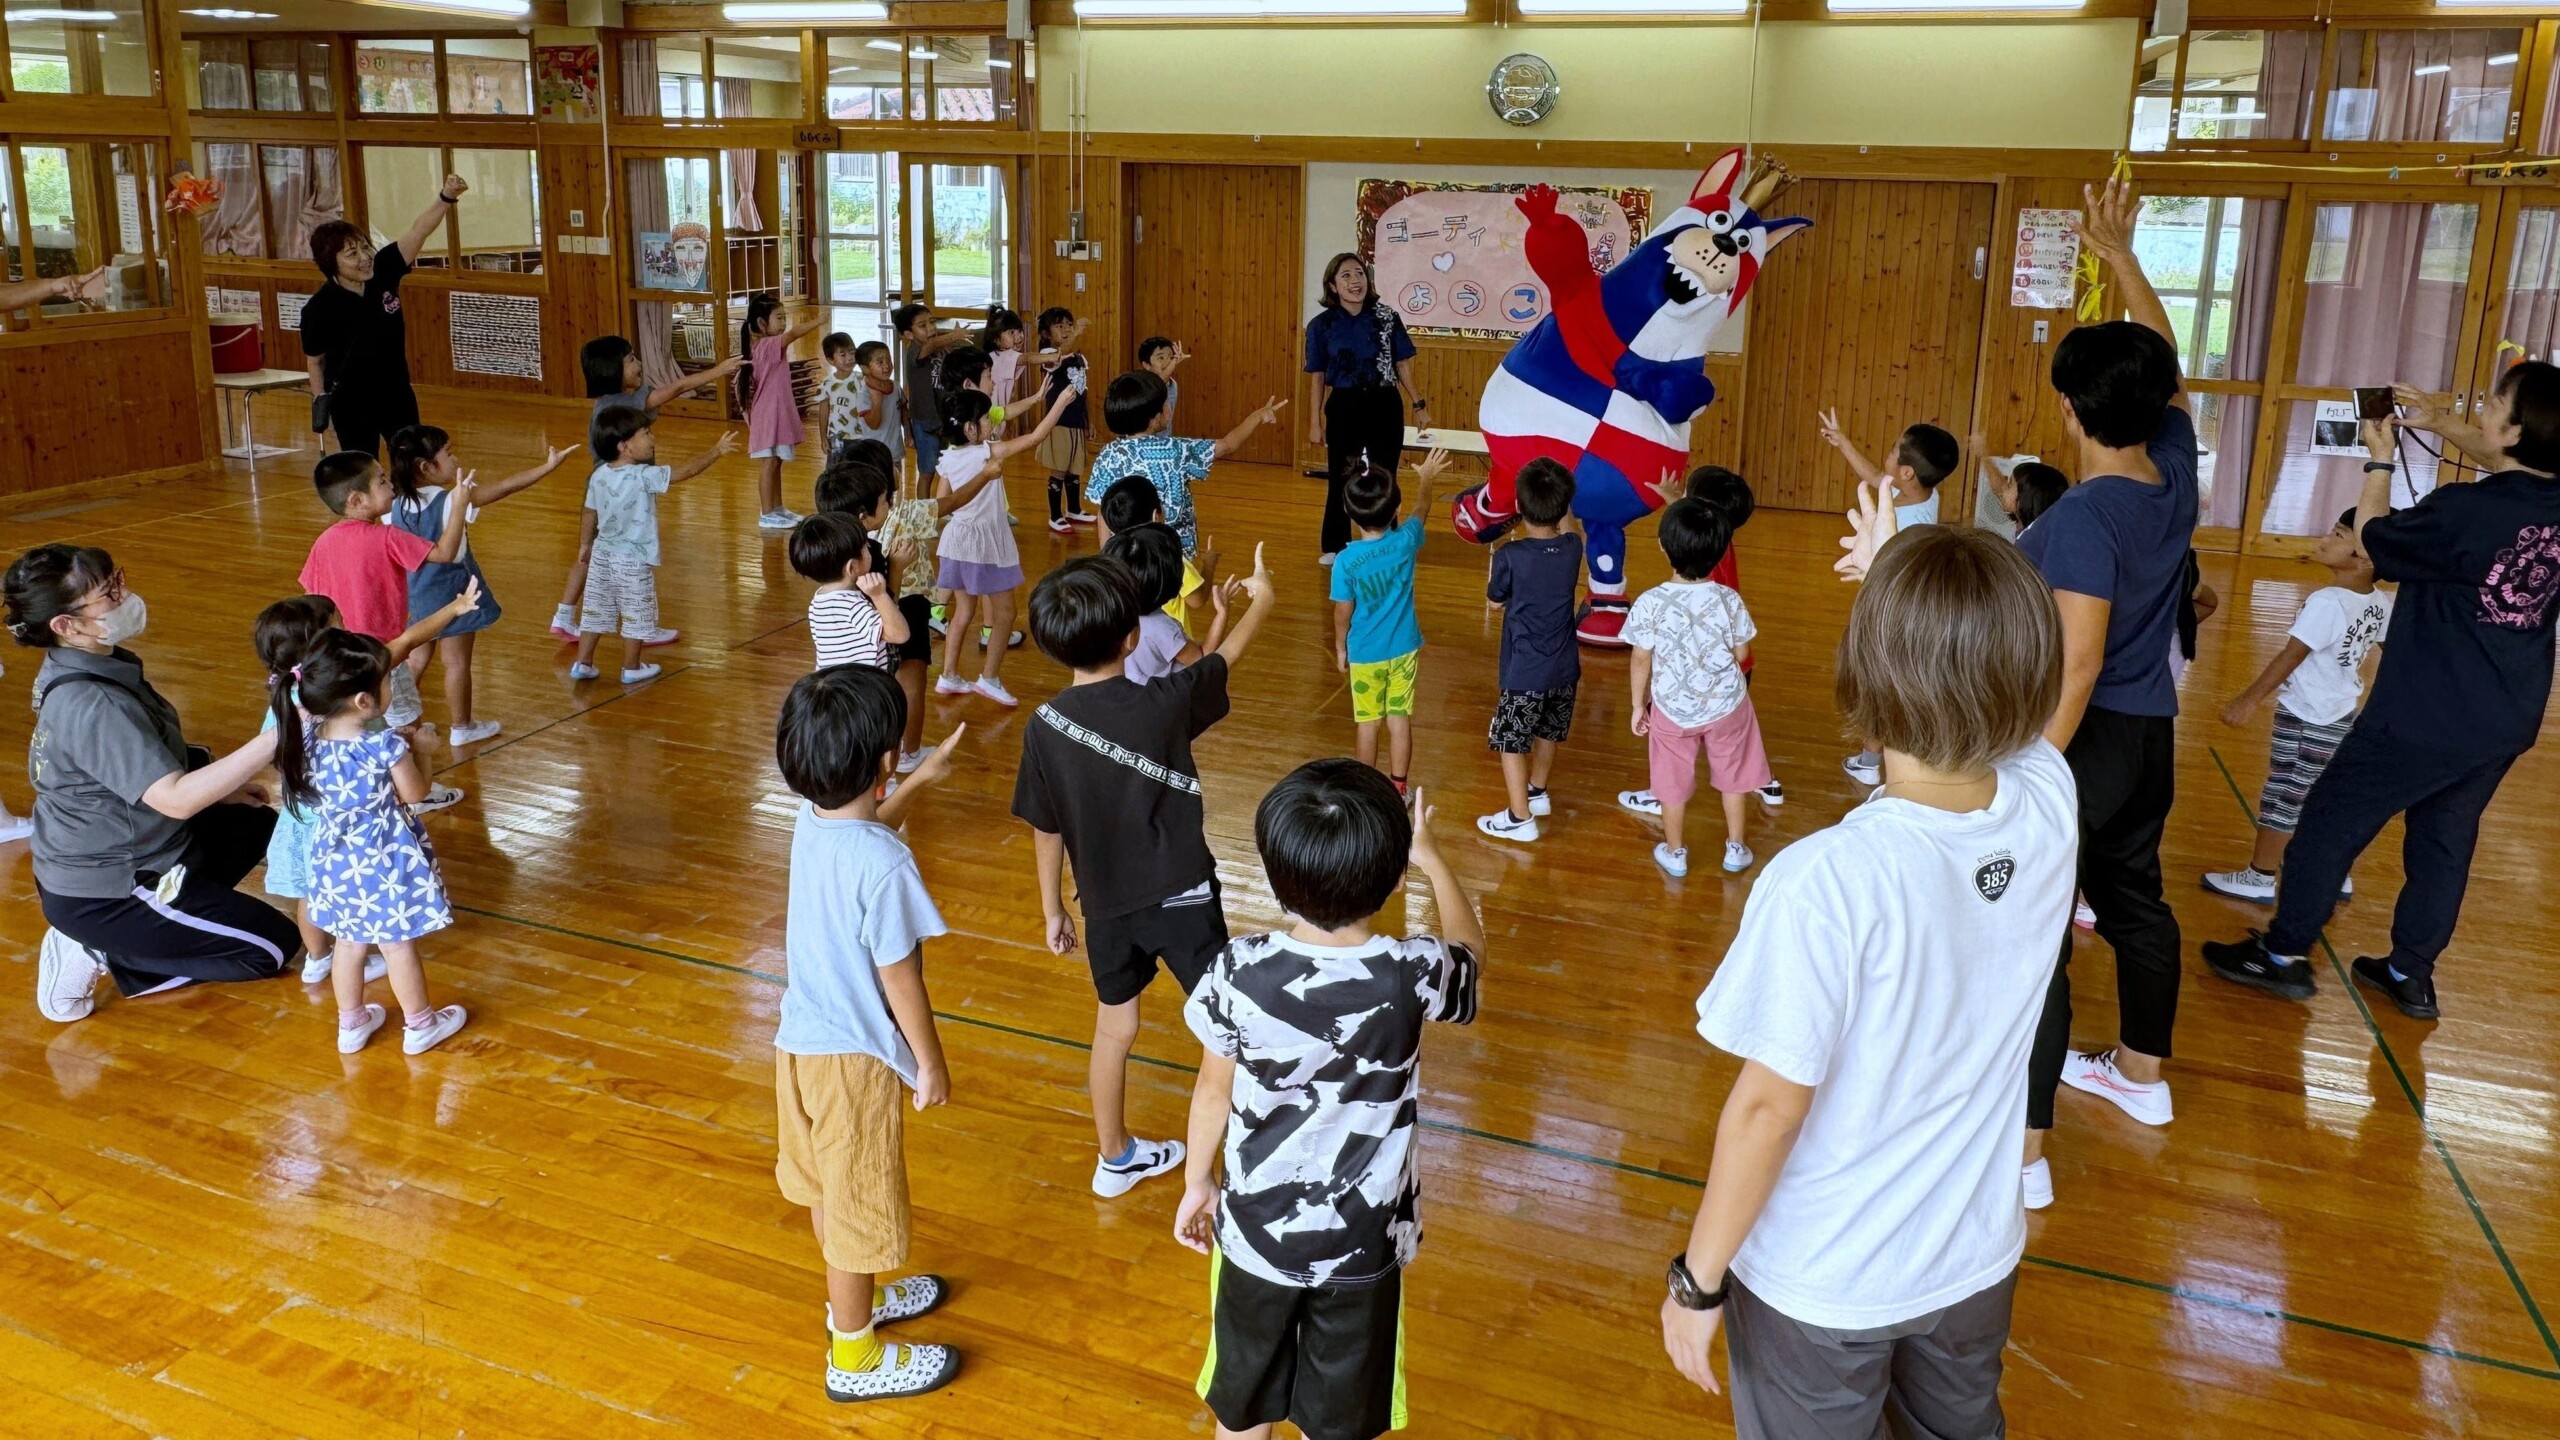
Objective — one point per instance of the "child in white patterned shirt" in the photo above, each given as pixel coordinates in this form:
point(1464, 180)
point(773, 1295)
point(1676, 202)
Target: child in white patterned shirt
point(1690, 636)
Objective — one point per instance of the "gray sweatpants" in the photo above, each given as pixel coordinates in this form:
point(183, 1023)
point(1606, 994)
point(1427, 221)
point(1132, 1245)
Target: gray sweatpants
point(1934, 1377)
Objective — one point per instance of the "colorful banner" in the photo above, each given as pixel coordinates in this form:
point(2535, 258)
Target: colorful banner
point(566, 80)
point(1451, 257)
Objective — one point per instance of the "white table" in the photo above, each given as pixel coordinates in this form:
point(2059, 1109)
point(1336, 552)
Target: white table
point(242, 390)
point(1456, 442)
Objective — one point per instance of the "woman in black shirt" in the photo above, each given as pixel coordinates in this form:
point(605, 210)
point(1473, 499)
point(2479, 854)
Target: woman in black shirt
point(353, 332)
point(1362, 359)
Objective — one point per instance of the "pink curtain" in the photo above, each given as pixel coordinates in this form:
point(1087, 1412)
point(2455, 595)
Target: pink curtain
point(302, 194)
point(2464, 103)
point(2532, 318)
point(737, 98)
point(234, 226)
point(653, 321)
point(222, 73)
point(2253, 302)
point(639, 78)
point(2288, 76)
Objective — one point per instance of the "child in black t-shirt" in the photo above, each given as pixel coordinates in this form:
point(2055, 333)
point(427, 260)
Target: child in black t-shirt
point(1108, 786)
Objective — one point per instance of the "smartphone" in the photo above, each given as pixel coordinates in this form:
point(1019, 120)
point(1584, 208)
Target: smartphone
point(2374, 402)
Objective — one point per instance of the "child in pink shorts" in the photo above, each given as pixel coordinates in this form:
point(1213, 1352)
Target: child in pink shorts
point(1691, 637)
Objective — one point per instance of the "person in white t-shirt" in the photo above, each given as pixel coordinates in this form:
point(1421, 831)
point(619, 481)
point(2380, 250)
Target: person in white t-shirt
point(1861, 1230)
point(2318, 680)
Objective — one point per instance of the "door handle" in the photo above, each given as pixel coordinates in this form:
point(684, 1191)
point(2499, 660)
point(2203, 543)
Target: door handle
point(1979, 255)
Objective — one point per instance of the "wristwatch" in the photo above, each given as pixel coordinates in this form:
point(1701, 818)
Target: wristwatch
point(1684, 1287)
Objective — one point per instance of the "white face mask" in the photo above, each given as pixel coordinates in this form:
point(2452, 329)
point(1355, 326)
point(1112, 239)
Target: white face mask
point(123, 622)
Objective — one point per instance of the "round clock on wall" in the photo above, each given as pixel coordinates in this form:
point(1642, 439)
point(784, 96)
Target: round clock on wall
point(1522, 89)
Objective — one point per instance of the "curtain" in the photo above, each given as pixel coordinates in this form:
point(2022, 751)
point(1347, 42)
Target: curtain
point(2465, 102)
point(645, 183)
point(234, 226)
point(2532, 319)
point(2288, 76)
point(737, 98)
point(222, 74)
point(639, 78)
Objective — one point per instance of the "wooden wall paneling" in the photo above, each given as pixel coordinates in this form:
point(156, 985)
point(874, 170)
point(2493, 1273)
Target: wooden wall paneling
point(91, 406)
point(2015, 408)
point(1217, 269)
point(585, 297)
point(1051, 280)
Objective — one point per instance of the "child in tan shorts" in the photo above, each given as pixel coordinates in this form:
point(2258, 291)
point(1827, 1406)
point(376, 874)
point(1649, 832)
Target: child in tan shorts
point(857, 1032)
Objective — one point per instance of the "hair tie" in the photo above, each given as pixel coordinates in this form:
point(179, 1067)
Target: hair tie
point(296, 672)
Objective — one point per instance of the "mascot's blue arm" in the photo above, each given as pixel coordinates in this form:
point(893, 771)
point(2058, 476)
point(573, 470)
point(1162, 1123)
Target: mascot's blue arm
point(1676, 389)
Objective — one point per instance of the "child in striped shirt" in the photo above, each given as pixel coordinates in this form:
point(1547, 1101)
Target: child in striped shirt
point(853, 619)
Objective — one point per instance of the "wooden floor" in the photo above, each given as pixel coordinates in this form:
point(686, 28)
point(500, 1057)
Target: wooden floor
point(565, 1224)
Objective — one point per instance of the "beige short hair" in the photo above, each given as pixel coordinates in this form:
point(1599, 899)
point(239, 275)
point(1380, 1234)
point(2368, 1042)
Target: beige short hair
point(1953, 654)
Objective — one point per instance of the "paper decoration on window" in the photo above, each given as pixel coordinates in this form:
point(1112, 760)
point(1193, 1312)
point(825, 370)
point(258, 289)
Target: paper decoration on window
point(1451, 259)
point(2334, 430)
point(565, 79)
point(129, 213)
point(289, 310)
point(495, 334)
point(219, 300)
point(2048, 249)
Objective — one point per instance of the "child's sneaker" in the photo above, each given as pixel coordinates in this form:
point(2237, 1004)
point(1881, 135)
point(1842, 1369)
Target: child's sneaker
point(2248, 883)
point(778, 520)
point(1674, 863)
point(905, 1299)
point(908, 760)
point(950, 684)
point(2097, 1075)
point(1539, 803)
point(564, 624)
point(1642, 802)
point(1144, 1158)
point(1737, 857)
point(439, 797)
point(1866, 769)
point(316, 969)
point(903, 1370)
point(662, 635)
point(475, 732)
point(993, 689)
point(2035, 1185)
point(1080, 517)
point(987, 638)
point(17, 827)
point(634, 675)
point(1058, 525)
point(351, 1038)
point(1502, 826)
point(939, 622)
point(579, 671)
point(419, 1039)
point(2082, 915)
point(1773, 794)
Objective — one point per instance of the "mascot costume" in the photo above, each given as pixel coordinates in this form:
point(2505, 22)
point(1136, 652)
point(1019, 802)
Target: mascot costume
point(1608, 382)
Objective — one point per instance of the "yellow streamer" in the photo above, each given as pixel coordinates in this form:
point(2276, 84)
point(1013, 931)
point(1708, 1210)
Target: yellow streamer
point(2093, 291)
point(2123, 168)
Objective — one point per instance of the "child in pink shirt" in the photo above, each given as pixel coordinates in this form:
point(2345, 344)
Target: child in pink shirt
point(764, 392)
point(363, 567)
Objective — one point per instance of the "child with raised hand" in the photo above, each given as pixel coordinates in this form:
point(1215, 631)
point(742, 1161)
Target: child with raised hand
point(1532, 579)
point(1003, 340)
point(2316, 680)
point(1377, 640)
point(363, 565)
point(1153, 554)
point(853, 617)
point(1923, 456)
point(774, 428)
point(1108, 787)
point(859, 394)
point(1302, 1186)
point(1688, 637)
point(423, 471)
point(616, 381)
point(622, 587)
point(980, 564)
point(374, 881)
point(1135, 409)
point(1161, 357)
point(284, 636)
point(856, 1044)
point(863, 487)
point(1063, 453)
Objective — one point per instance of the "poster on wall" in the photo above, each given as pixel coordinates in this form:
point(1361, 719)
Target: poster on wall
point(565, 81)
point(2048, 252)
point(496, 334)
point(678, 259)
point(395, 82)
point(2334, 429)
point(1452, 258)
point(289, 309)
point(487, 85)
point(221, 300)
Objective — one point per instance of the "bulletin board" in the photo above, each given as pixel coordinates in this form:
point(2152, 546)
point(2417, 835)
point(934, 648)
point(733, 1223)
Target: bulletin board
point(1451, 257)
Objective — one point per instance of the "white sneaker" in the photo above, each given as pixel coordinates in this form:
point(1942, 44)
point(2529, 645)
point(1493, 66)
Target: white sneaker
point(1642, 802)
point(993, 689)
point(2097, 1075)
point(316, 969)
point(17, 827)
point(937, 622)
point(662, 635)
point(2082, 915)
point(352, 1039)
point(564, 623)
point(908, 760)
point(1060, 526)
point(2347, 890)
point(987, 638)
point(2036, 1183)
point(642, 674)
point(439, 797)
point(67, 976)
point(1146, 1158)
point(950, 684)
point(1540, 804)
point(1325, 560)
point(1080, 517)
point(475, 732)
point(1773, 794)
point(582, 672)
point(1867, 770)
point(1737, 857)
point(903, 1370)
point(416, 1041)
point(2247, 883)
point(1501, 826)
point(778, 520)
point(1674, 863)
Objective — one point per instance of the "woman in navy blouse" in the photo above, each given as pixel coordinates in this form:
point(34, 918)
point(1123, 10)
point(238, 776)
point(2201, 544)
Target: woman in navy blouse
point(1362, 359)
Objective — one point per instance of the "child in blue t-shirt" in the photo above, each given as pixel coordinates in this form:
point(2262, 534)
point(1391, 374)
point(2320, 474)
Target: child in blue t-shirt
point(1377, 640)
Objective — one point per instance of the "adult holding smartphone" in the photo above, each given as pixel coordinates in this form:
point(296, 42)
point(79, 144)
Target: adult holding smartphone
point(353, 331)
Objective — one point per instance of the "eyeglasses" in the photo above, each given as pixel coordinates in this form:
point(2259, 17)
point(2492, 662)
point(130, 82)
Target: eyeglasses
point(111, 594)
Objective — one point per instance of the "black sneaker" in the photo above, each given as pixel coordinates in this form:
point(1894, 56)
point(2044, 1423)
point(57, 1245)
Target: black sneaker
point(2416, 996)
point(2246, 962)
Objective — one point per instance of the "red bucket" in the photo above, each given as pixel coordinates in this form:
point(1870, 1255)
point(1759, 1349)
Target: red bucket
point(238, 345)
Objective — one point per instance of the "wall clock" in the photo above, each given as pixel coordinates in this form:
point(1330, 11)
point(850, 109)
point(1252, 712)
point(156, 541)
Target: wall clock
point(1522, 89)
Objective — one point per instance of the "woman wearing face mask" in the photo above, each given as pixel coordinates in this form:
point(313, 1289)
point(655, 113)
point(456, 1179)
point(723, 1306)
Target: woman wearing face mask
point(140, 838)
point(1362, 359)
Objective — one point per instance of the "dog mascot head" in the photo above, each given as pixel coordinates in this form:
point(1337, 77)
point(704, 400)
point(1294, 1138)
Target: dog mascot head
point(1667, 297)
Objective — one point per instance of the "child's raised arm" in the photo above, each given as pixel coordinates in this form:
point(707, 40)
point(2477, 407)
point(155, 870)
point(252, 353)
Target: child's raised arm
point(497, 490)
point(999, 450)
point(1213, 639)
point(425, 630)
point(1424, 476)
point(677, 389)
point(2286, 661)
point(1837, 439)
point(725, 445)
point(1233, 440)
point(458, 504)
point(1458, 923)
point(1258, 592)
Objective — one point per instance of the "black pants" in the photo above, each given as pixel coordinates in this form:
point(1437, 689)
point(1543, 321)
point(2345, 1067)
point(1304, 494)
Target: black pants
point(211, 932)
point(2372, 778)
point(364, 422)
point(1368, 421)
point(2126, 766)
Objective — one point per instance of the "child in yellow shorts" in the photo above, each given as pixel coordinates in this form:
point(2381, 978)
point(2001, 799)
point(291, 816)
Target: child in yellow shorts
point(1377, 640)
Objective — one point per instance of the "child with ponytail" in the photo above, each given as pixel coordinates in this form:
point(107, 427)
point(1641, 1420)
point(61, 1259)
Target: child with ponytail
point(374, 881)
point(424, 471)
point(764, 396)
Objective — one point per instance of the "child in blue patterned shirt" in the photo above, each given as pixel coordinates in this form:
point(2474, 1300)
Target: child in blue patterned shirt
point(1134, 408)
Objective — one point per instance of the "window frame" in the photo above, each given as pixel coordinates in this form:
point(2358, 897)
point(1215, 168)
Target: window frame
point(349, 41)
point(358, 207)
point(155, 247)
point(338, 68)
point(158, 94)
point(2523, 115)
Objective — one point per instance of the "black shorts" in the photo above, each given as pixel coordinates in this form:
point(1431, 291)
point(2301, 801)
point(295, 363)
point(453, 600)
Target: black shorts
point(1186, 932)
point(918, 646)
point(1329, 1360)
point(1522, 716)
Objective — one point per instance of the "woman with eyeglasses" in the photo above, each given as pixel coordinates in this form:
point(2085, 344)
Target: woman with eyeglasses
point(140, 838)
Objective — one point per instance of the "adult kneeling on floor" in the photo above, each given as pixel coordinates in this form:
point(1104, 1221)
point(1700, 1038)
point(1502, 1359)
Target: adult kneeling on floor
point(140, 837)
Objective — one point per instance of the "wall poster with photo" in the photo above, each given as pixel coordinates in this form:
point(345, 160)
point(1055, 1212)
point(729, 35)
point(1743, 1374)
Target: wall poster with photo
point(1451, 257)
point(677, 259)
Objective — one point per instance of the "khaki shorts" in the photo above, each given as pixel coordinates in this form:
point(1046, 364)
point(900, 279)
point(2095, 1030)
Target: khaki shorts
point(1061, 451)
point(841, 1121)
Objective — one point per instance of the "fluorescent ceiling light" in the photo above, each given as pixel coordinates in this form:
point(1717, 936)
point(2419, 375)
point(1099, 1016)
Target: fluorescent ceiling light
point(1633, 7)
point(1264, 9)
point(1876, 7)
point(232, 14)
point(806, 10)
point(2502, 59)
point(924, 53)
point(2433, 70)
point(892, 46)
point(512, 8)
point(73, 17)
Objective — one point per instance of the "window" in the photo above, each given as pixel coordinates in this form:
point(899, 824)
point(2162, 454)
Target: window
point(303, 192)
point(89, 205)
point(2213, 260)
point(756, 77)
point(2238, 85)
point(866, 78)
point(966, 208)
point(500, 222)
point(236, 226)
point(102, 47)
point(2532, 315)
point(488, 76)
point(663, 79)
point(965, 79)
point(396, 77)
point(400, 182)
point(2453, 87)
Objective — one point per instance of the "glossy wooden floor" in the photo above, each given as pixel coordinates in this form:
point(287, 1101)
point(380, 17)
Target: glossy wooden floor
point(565, 1223)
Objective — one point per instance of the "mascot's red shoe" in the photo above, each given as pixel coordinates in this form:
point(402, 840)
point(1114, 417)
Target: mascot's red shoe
point(1476, 517)
point(1603, 616)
